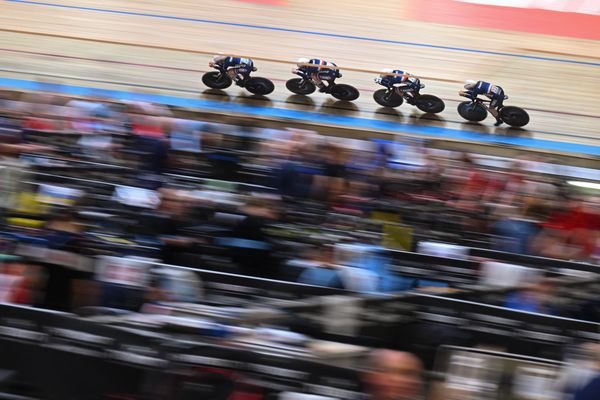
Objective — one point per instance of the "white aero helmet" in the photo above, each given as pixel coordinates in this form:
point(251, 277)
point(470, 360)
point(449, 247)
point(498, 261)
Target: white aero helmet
point(386, 72)
point(470, 84)
point(302, 60)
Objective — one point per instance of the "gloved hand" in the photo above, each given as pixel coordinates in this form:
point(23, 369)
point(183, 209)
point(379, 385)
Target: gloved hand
point(467, 93)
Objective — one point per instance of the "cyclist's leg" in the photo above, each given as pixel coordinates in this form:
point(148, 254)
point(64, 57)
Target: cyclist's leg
point(244, 71)
point(232, 72)
point(416, 87)
point(495, 106)
point(316, 78)
point(328, 78)
point(499, 100)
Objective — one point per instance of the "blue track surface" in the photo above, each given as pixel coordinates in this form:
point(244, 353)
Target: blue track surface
point(304, 32)
point(306, 116)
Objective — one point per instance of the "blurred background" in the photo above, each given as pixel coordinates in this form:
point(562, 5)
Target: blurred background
point(162, 240)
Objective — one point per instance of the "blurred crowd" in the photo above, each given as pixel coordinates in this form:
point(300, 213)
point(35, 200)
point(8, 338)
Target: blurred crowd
point(265, 191)
point(99, 177)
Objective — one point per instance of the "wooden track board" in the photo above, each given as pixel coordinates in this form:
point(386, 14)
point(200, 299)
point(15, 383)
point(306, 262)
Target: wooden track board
point(562, 96)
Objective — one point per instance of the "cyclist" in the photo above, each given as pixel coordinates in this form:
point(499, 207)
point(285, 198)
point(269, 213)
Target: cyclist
point(404, 84)
point(318, 74)
point(237, 68)
point(493, 92)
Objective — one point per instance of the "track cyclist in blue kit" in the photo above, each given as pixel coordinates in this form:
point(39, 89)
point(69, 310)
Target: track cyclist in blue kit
point(404, 82)
point(493, 92)
point(238, 68)
point(318, 74)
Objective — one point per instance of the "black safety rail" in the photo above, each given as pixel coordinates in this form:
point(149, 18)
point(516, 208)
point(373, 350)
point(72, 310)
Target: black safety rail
point(76, 358)
point(99, 358)
point(452, 271)
point(549, 264)
point(427, 321)
point(51, 174)
point(222, 287)
point(457, 273)
point(44, 162)
point(219, 287)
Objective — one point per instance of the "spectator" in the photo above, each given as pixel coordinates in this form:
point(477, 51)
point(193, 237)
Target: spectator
point(590, 391)
point(393, 375)
point(515, 230)
point(41, 113)
point(21, 284)
point(97, 136)
point(535, 298)
point(332, 182)
point(249, 243)
point(153, 154)
point(9, 284)
point(63, 230)
point(167, 224)
point(186, 135)
point(355, 199)
point(81, 114)
point(180, 285)
point(321, 269)
point(297, 175)
point(148, 124)
point(155, 294)
point(81, 109)
point(248, 134)
point(570, 233)
point(582, 368)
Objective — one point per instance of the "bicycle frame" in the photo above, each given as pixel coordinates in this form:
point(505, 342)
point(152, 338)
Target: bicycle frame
point(308, 78)
point(482, 102)
point(395, 89)
point(220, 68)
point(303, 75)
point(223, 71)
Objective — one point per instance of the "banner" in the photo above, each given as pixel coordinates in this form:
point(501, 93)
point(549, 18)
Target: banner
point(570, 18)
point(591, 7)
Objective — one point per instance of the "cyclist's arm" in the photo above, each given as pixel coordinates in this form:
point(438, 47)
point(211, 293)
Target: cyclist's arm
point(468, 93)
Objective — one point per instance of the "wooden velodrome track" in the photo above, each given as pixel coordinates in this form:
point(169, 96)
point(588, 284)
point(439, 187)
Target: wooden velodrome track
point(555, 78)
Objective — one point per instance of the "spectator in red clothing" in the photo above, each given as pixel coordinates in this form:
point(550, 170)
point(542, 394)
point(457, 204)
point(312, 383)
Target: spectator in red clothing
point(149, 120)
point(36, 123)
point(42, 114)
point(148, 127)
point(20, 284)
point(570, 233)
point(9, 285)
point(470, 191)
